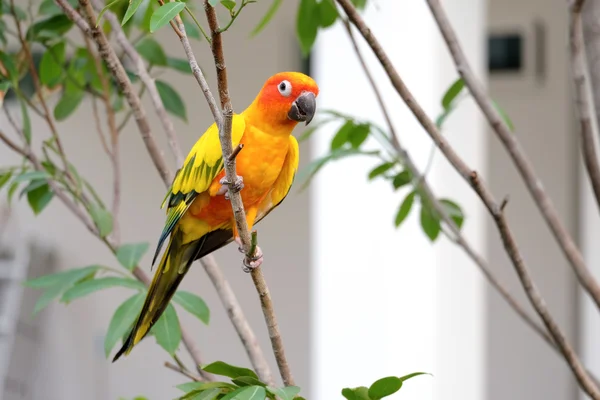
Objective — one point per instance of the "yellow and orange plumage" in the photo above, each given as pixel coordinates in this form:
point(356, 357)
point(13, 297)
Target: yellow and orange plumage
point(199, 217)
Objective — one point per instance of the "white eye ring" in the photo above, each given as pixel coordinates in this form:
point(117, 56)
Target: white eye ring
point(285, 88)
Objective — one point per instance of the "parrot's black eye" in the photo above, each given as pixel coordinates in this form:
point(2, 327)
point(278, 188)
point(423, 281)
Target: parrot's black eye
point(285, 88)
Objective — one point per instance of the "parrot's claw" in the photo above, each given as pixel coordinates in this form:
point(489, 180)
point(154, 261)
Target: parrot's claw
point(236, 187)
point(251, 263)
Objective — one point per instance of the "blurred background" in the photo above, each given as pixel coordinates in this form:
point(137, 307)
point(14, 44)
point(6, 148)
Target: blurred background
point(356, 298)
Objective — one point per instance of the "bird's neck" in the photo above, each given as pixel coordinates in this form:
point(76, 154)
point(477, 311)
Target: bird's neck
point(261, 117)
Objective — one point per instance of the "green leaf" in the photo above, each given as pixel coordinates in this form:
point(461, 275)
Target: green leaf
point(358, 135)
point(179, 64)
point(105, 9)
point(248, 393)
point(171, 99)
point(88, 287)
point(267, 17)
point(121, 321)
point(404, 209)
point(68, 103)
point(380, 169)
point(26, 121)
point(39, 198)
point(210, 394)
point(11, 191)
point(102, 219)
point(504, 117)
point(198, 386)
point(284, 393)
point(454, 211)
point(4, 178)
point(407, 377)
point(49, 28)
point(67, 279)
point(453, 91)
point(403, 178)
point(34, 184)
point(359, 4)
point(8, 61)
point(307, 24)
point(328, 13)
point(228, 4)
point(192, 30)
point(308, 172)
point(193, 304)
point(232, 395)
point(213, 2)
point(247, 381)
point(384, 387)
point(49, 7)
point(359, 393)
point(52, 64)
point(133, 6)
point(343, 135)
point(71, 275)
point(31, 175)
point(165, 13)
point(152, 51)
point(224, 369)
point(129, 255)
point(430, 223)
point(167, 330)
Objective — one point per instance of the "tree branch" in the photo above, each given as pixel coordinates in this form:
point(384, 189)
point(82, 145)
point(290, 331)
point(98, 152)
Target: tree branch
point(236, 199)
point(587, 384)
point(513, 147)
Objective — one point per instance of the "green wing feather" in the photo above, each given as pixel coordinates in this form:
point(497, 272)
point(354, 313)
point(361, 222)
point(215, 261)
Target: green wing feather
point(202, 165)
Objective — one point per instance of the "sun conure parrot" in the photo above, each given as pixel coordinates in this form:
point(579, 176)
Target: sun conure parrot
point(199, 215)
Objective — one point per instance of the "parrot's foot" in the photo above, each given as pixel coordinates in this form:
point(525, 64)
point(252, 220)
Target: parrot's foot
point(236, 187)
point(250, 263)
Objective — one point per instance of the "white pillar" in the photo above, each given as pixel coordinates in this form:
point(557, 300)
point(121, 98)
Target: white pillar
point(386, 301)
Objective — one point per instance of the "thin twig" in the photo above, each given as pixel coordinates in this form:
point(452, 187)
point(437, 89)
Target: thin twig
point(148, 81)
point(236, 199)
point(476, 183)
point(515, 150)
point(584, 99)
point(183, 372)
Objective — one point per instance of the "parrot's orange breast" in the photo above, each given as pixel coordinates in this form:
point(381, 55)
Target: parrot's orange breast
point(259, 163)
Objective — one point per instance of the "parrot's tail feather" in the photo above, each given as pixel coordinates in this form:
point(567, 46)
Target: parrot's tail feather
point(176, 261)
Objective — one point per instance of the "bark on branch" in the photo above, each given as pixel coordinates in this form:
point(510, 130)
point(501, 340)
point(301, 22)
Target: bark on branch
point(236, 199)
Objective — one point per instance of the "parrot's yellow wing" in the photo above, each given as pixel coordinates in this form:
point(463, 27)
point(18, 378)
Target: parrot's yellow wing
point(284, 181)
point(202, 165)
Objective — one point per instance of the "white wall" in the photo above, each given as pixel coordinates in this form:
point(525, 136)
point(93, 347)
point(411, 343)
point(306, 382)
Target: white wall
point(386, 301)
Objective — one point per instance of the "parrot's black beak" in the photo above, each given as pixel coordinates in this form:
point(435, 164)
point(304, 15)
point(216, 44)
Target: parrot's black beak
point(303, 108)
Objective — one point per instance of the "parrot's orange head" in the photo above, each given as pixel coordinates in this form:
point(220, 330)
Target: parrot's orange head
point(288, 98)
